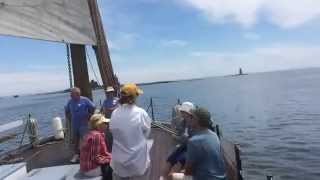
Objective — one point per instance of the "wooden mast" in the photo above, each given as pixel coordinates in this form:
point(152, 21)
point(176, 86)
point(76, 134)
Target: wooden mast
point(101, 48)
point(78, 56)
point(80, 69)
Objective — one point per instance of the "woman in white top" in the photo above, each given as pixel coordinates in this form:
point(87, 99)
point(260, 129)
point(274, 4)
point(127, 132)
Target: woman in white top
point(130, 126)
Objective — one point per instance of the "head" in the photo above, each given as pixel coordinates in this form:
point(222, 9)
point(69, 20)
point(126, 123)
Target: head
point(200, 118)
point(98, 122)
point(75, 93)
point(185, 109)
point(129, 93)
point(110, 92)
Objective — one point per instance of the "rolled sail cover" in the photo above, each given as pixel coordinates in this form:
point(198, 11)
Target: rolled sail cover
point(53, 20)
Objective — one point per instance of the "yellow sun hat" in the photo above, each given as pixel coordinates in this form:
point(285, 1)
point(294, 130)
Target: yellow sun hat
point(131, 89)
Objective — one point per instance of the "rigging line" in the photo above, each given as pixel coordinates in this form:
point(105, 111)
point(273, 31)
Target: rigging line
point(69, 65)
point(91, 66)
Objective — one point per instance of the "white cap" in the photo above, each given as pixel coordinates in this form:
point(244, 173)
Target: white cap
point(186, 107)
point(109, 89)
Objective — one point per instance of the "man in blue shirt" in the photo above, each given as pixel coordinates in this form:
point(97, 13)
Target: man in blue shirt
point(109, 105)
point(78, 110)
point(204, 157)
point(111, 102)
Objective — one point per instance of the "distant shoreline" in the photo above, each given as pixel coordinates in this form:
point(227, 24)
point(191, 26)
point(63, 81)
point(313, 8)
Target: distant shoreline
point(139, 84)
point(169, 81)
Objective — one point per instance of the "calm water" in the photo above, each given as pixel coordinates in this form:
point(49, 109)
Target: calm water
point(275, 117)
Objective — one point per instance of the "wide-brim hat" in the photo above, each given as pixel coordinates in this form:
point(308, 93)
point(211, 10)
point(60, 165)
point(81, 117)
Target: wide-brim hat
point(97, 119)
point(110, 89)
point(186, 107)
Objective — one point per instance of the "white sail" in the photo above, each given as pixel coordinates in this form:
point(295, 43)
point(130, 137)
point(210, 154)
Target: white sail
point(52, 20)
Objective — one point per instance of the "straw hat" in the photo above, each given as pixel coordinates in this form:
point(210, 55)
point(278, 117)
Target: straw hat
point(131, 89)
point(96, 120)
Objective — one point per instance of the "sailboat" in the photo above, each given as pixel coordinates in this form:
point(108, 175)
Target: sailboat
point(76, 23)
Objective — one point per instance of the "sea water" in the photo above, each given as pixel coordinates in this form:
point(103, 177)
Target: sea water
point(275, 117)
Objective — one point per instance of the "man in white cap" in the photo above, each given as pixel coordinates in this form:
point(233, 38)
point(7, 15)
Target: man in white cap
point(111, 102)
point(109, 105)
point(179, 118)
point(178, 156)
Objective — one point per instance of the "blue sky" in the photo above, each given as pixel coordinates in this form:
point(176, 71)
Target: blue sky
point(153, 40)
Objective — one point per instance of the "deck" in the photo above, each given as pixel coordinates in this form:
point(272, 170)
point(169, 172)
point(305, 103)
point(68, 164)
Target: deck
point(57, 153)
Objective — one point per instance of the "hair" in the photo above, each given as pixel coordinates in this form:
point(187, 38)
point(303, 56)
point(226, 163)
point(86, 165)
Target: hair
point(203, 117)
point(127, 99)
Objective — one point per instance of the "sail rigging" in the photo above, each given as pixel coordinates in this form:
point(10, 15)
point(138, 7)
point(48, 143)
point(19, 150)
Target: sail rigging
point(67, 21)
point(74, 22)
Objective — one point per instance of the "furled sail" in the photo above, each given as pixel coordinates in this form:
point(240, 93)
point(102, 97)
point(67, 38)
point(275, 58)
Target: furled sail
point(52, 20)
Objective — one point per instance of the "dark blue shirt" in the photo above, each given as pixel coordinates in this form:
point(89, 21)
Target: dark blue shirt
point(110, 102)
point(80, 111)
point(204, 153)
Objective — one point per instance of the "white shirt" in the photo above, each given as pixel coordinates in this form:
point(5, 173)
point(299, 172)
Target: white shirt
point(130, 126)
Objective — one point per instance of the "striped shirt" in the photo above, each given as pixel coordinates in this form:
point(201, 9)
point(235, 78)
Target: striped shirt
point(93, 151)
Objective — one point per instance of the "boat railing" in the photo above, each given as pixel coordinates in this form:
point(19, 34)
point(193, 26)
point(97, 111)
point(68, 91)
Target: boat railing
point(231, 151)
point(160, 108)
point(13, 134)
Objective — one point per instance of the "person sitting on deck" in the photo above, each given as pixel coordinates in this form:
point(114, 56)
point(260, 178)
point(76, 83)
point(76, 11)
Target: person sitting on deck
point(94, 155)
point(111, 102)
point(178, 121)
point(130, 126)
point(78, 110)
point(204, 159)
point(178, 157)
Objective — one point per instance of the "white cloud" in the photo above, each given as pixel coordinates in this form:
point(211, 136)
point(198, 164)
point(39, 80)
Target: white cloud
point(251, 36)
point(211, 63)
point(174, 43)
point(283, 13)
point(123, 40)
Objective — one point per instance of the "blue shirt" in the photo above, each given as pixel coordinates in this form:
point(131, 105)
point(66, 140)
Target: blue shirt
point(204, 153)
point(80, 111)
point(110, 102)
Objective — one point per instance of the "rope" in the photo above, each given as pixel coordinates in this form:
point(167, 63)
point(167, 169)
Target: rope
point(69, 65)
point(91, 66)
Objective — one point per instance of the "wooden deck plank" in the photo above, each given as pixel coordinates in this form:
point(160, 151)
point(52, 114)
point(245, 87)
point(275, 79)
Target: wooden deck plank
point(58, 153)
point(163, 144)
